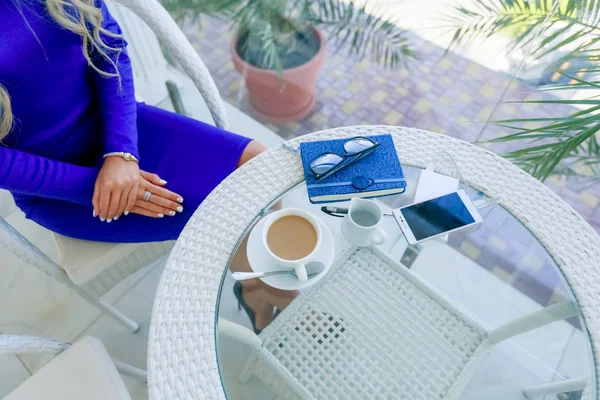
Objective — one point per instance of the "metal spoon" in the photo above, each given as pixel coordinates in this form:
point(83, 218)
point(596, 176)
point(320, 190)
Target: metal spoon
point(313, 269)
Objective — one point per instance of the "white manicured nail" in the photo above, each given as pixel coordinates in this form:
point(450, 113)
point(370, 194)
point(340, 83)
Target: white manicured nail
point(160, 215)
point(180, 200)
point(109, 220)
point(116, 218)
point(102, 219)
point(94, 213)
point(172, 213)
point(180, 209)
point(126, 213)
point(163, 182)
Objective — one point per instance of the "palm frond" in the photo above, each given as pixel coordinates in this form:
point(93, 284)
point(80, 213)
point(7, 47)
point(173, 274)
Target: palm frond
point(559, 143)
point(270, 50)
point(268, 30)
point(564, 144)
point(568, 26)
point(363, 33)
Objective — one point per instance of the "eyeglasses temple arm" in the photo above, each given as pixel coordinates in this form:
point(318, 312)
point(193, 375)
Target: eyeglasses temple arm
point(343, 164)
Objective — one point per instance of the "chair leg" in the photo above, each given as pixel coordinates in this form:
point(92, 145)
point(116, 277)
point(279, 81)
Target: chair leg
point(130, 370)
point(569, 385)
point(103, 306)
point(27, 251)
point(175, 96)
point(534, 320)
point(248, 369)
point(117, 315)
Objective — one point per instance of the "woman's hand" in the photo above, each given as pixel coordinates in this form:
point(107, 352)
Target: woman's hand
point(116, 188)
point(162, 201)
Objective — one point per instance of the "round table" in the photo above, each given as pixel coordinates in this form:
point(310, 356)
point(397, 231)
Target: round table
point(444, 320)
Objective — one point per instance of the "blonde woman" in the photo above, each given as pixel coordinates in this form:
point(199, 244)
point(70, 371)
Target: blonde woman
point(79, 155)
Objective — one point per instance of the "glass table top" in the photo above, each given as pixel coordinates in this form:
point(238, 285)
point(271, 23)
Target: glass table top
point(490, 274)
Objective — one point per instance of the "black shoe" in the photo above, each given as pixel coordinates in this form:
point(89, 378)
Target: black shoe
point(238, 291)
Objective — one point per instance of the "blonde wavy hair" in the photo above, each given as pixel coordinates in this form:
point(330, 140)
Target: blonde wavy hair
point(85, 19)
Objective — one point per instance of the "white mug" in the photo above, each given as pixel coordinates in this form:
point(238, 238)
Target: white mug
point(298, 265)
point(362, 225)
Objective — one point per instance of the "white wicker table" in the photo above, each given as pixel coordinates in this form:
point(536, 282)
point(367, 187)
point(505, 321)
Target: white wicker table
point(561, 253)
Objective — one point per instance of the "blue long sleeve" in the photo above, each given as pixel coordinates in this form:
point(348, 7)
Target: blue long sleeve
point(28, 174)
point(116, 94)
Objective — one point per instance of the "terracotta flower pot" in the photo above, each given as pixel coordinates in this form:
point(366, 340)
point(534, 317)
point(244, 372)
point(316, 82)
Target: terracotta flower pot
point(269, 99)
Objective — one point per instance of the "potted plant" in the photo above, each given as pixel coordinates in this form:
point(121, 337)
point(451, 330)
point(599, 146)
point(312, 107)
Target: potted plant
point(279, 48)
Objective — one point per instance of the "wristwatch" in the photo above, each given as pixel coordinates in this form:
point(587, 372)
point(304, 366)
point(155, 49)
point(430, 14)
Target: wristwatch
point(126, 156)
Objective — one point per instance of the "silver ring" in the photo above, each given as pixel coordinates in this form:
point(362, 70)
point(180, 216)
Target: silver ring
point(147, 195)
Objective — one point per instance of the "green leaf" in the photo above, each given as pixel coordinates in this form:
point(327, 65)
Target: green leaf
point(565, 140)
point(362, 33)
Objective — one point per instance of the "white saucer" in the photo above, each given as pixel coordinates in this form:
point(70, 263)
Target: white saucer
point(260, 262)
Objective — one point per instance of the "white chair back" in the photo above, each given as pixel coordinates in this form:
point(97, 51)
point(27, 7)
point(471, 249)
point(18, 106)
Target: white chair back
point(149, 65)
point(175, 42)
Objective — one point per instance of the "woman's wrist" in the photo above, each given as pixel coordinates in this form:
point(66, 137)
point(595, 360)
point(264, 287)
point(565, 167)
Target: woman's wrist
point(124, 155)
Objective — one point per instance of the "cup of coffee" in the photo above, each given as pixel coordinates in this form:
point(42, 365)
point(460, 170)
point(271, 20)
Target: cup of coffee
point(362, 225)
point(292, 237)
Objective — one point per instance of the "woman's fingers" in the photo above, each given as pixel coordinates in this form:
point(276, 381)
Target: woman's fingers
point(161, 201)
point(162, 192)
point(156, 210)
point(96, 200)
point(122, 204)
point(171, 205)
point(157, 206)
point(131, 199)
point(145, 212)
point(153, 178)
point(104, 202)
point(154, 184)
point(115, 201)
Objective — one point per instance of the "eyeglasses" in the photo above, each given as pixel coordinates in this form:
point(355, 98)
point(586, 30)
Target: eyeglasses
point(329, 163)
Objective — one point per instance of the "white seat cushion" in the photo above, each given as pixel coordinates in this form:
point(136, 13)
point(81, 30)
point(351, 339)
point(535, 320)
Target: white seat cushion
point(83, 371)
point(83, 260)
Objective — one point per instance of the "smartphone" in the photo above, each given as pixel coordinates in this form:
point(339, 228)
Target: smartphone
point(436, 217)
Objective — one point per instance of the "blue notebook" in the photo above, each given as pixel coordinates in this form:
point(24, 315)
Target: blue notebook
point(381, 169)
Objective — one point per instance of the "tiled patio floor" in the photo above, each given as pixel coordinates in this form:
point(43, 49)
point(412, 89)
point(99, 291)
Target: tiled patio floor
point(447, 94)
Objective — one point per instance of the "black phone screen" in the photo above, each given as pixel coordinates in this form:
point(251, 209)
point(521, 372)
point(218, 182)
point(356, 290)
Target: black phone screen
point(436, 216)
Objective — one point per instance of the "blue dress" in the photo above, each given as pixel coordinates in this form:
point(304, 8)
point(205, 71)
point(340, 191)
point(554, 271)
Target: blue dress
point(67, 116)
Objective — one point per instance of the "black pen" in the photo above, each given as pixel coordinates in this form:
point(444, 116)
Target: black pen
point(331, 210)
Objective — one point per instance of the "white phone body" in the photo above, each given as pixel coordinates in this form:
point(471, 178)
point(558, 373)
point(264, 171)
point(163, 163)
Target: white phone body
point(460, 199)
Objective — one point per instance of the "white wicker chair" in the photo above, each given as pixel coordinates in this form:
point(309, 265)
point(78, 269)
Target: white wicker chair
point(338, 340)
point(81, 371)
point(90, 268)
